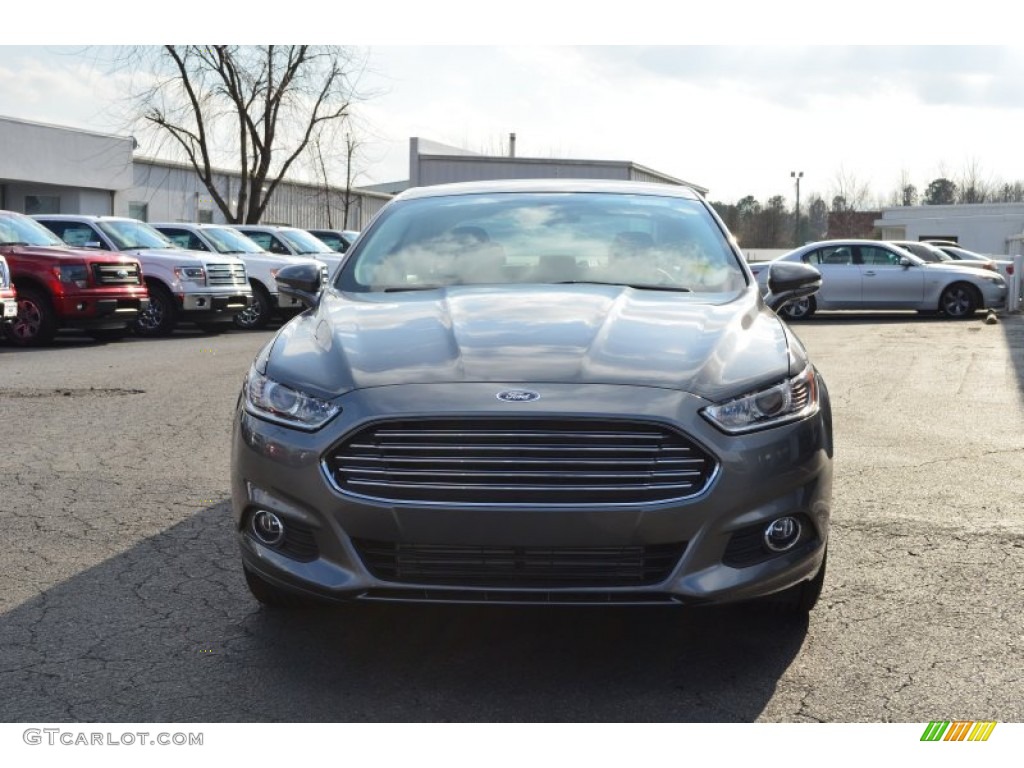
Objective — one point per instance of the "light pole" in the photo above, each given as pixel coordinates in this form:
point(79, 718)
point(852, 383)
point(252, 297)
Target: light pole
point(797, 175)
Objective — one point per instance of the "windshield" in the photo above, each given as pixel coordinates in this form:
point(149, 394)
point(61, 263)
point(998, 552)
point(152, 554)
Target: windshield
point(303, 242)
point(127, 235)
point(647, 241)
point(21, 229)
point(227, 240)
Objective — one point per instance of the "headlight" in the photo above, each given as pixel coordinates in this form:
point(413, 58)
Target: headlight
point(793, 399)
point(995, 279)
point(73, 274)
point(273, 401)
point(191, 274)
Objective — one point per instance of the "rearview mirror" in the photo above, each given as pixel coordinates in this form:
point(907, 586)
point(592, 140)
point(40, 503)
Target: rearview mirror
point(789, 281)
point(300, 281)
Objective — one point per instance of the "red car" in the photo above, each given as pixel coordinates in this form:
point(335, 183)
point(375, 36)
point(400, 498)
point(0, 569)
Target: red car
point(61, 287)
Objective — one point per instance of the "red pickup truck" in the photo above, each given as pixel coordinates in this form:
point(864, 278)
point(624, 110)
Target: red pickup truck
point(61, 287)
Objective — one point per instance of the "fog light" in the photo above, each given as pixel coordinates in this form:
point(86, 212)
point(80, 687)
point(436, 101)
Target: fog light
point(267, 527)
point(782, 534)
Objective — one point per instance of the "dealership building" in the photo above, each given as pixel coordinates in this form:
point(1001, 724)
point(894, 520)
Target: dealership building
point(990, 228)
point(56, 169)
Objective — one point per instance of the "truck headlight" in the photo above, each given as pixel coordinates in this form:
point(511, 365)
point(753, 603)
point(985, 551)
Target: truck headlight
point(73, 274)
point(190, 274)
point(789, 400)
point(274, 401)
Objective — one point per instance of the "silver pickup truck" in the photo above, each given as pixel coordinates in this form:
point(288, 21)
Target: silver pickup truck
point(261, 265)
point(206, 289)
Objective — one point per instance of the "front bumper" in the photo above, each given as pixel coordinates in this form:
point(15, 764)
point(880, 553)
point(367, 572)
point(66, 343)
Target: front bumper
point(214, 306)
point(761, 476)
point(99, 311)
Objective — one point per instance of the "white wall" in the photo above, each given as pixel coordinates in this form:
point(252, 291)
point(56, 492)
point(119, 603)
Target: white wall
point(986, 228)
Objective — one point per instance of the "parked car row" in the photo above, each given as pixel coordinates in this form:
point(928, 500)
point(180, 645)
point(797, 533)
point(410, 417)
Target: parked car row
point(111, 275)
point(877, 275)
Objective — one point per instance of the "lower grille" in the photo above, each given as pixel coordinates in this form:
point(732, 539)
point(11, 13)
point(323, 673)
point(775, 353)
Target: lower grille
point(225, 274)
point(746, 546)
point(519, 567)
point(506, 461)
point(116, 274)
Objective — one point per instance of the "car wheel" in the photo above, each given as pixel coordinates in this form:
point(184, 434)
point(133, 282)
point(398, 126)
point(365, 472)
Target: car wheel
point(36, 322)
point(958, 301)
point(108, 334)
point(800, 599)
point(801, 309)
point(259, 311)
point(271, 596)
point(161, 316)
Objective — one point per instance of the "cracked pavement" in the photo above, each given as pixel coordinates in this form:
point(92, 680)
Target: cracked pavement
point(123, 600)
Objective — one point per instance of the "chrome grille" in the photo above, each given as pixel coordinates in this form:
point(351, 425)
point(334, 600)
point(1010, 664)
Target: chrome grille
point(503, 461)
point(116, 274)
point(226, 274)
point(519, 567)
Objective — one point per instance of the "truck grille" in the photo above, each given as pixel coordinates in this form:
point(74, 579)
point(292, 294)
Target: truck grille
point(519, 567)
point(502, 461)
point(225, 274)
point(116, 274)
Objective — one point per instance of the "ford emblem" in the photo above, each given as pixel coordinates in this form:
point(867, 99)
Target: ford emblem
point(518, 396)
point(122, 273)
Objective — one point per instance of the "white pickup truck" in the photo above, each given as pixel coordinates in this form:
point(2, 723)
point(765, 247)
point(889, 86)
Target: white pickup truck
point(291, 241)
point(261, 265)
point(182, 285)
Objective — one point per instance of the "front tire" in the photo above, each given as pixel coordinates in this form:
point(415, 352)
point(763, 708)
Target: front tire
point(800, 599)
point(801, 309)
point(161, 316)
point(256, 316)
point(36, 323)
point(271, 596)
point(959, 301)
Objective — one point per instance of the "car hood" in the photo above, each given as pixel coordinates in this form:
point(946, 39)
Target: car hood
point(180, 257)
point(69, 253)
point(517, 335)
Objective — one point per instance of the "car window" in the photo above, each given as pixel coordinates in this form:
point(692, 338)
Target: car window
point(268, 242)
point(183, 239)
point(875, 256)
point(546, 238)
point(832, 254)
point(76, 234)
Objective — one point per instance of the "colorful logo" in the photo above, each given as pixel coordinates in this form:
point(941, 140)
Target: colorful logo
point(958, 730)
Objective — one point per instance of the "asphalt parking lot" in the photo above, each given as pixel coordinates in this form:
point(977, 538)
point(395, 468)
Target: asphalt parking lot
point(123, 599)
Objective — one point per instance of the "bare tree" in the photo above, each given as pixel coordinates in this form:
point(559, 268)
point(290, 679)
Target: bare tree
point(261, 106)
point(972, 187)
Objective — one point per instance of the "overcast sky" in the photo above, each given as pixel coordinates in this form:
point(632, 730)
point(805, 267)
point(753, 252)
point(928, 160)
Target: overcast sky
point(736, 119)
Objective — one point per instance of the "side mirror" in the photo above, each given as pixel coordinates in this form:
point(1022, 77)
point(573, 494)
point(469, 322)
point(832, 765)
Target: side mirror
point(905, 262)
point(300, 281)
point(789, 281)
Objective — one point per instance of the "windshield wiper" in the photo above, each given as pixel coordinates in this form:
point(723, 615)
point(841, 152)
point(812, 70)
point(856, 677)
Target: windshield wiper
point(401, 288)
point(637, 286)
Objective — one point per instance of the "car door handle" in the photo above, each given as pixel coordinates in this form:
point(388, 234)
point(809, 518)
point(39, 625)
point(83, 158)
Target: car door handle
point(869, 273)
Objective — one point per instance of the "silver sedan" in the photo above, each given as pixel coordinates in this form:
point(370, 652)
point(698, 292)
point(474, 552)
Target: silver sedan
point(872, 275)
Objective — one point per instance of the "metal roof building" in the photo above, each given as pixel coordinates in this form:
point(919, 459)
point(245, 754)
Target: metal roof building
point(432, 163)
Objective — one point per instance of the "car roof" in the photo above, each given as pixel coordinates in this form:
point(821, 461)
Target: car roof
point(550, 185)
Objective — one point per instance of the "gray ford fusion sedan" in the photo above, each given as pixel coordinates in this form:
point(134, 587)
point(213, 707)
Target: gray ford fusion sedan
point(563, 392)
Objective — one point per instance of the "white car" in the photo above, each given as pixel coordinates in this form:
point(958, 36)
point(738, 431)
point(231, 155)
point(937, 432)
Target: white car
point(182, 285)
point(869, 274)
point(291, 241)
point(261, 265)
point(963, 256)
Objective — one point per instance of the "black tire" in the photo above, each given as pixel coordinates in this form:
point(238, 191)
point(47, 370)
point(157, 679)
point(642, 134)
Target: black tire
point(108, 334)
point(161, 316)
point(36, 323)
point(959, 301)
point(271, 596)
point(800, 599)
point(258, 314)
point(801, 309)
